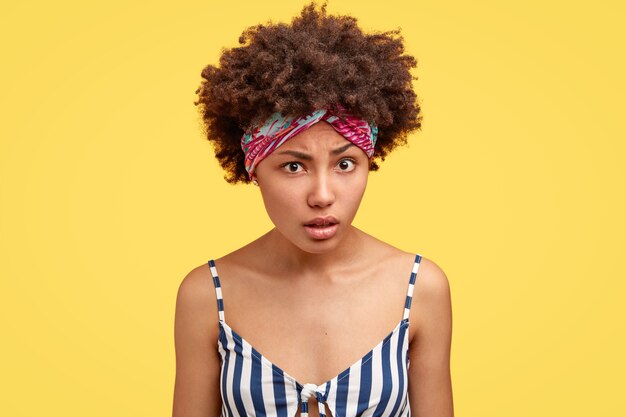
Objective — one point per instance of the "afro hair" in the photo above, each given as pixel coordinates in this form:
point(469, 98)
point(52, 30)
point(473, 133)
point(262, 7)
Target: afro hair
point(296, 68)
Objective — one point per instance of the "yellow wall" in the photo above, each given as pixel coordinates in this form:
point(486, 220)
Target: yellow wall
point(109, 195)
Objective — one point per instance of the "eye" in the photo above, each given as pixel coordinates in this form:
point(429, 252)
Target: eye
point(291, 165)
point(346, 163)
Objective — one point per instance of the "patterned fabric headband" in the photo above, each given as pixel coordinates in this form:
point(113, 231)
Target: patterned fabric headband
point(277, 129)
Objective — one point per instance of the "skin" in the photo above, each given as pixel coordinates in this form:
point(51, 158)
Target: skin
point(333, 300)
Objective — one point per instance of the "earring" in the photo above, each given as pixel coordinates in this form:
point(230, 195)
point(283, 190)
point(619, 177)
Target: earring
point(255, 182)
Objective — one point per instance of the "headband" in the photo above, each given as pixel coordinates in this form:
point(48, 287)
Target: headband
point(277, 129)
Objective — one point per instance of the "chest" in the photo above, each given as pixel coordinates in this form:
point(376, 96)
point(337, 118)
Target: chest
point(314, 332)
point(375, 384)
point(342, 344)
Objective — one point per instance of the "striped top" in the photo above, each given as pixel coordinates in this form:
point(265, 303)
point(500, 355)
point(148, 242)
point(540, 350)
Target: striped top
point(376, 385)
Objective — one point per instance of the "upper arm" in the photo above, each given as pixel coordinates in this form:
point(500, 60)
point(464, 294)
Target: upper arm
point(430, 385)
point(196, 331)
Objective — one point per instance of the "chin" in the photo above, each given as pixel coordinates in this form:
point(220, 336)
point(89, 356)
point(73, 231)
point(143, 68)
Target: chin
point(303, 241)
point(320, 247)
point(315, 246)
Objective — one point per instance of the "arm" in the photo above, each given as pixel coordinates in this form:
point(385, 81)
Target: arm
point(196, 330)
point(430, 385)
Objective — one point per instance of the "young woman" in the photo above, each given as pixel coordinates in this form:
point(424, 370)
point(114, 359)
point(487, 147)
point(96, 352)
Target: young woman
point(315, 317)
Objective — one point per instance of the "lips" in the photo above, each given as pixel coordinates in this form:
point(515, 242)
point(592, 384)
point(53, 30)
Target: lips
point(321, 232)
point(322, 221)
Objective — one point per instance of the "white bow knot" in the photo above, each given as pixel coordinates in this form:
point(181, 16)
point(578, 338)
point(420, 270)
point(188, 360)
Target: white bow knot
point(307, 391)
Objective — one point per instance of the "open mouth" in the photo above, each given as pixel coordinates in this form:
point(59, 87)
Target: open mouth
point(321, 231)
point(322, 222)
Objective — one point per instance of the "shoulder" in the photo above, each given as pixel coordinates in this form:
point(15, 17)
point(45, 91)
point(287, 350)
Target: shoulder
point(196, 286)
point(196, 302)
point(430, 386)
point(196, 335)
point(431, 301)
point(431, 278)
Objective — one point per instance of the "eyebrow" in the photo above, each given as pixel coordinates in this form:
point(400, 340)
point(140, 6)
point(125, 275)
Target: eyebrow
point(308, 157)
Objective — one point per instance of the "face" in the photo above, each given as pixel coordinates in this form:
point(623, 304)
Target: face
point(317, 173)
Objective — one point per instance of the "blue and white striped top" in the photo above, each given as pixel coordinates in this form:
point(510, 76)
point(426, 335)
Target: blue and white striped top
point(374, 386)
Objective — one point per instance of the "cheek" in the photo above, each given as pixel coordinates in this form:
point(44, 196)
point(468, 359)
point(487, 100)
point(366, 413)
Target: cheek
point(280, 204)
point(355, 191)
point(355, 196)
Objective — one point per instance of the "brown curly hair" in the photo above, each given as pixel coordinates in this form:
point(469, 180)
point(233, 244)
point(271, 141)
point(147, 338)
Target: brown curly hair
point(314, 62)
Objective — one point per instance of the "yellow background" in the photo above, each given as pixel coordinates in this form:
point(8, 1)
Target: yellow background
point(516, 187)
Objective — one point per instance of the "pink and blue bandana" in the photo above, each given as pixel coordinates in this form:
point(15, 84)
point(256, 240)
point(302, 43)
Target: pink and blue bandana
point(277, 129)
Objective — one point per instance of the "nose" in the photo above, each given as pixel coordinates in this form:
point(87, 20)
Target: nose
point(321, 193)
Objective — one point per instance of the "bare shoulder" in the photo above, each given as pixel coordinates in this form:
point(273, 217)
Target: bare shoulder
point(431, 304)
point(431, 279)
point(196, 333)
point(196, 294)
point(430, 382)
point(196, 308)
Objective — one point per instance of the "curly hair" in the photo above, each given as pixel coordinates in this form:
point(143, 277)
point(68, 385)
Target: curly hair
point(296, 68)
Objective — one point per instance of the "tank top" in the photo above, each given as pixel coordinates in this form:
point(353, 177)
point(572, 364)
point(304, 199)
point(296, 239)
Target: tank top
point(376, 385)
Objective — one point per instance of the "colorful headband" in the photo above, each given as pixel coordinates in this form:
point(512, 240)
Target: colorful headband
point(277, 129)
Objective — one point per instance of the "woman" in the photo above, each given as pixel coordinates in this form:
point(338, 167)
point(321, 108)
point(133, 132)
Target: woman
point(312, 318)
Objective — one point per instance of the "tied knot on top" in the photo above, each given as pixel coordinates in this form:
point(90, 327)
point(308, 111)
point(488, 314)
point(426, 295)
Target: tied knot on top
point(307, 391)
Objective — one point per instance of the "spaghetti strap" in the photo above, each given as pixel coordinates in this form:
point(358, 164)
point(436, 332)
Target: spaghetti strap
point(218, 289)
point(409, 293)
